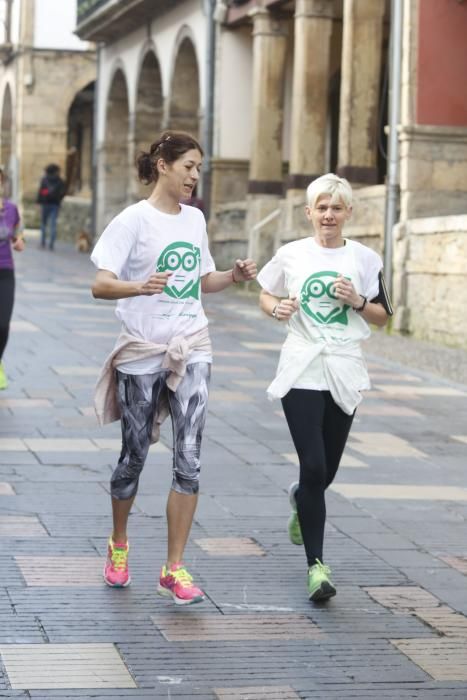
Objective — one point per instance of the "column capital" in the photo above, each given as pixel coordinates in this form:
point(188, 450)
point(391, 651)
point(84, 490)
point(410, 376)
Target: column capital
point(364, 175)
point(315, 8)
point(267, 23)
point(263, 187)
point(299, 181)
point(364, 9)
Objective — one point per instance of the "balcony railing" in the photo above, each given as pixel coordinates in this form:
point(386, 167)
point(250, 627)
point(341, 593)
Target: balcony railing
point(87, 7)
point(107, 20)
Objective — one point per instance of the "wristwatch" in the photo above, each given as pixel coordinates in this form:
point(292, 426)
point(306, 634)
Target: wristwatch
point(363, 304)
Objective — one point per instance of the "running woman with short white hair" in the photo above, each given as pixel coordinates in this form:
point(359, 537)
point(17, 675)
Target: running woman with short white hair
point(327, 289)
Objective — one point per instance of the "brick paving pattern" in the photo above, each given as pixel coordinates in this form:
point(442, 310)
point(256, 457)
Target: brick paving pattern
point(396, 536)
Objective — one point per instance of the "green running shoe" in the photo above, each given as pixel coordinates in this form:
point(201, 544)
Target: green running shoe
point(293, 526)
point(319, 585)
point(3, 379)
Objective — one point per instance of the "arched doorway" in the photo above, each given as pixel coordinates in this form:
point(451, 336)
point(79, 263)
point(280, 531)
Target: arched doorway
point(79, 143)
point(6, 139)
point(184, 93)
point(116, 155)
point(149, 107)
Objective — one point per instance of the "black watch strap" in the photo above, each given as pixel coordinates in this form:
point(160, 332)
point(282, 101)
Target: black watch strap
point(363, 304)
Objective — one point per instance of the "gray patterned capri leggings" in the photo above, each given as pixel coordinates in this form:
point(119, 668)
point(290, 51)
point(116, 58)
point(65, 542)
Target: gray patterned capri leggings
point(139, 397)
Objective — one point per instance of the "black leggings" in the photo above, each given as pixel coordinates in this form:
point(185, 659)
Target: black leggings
point(7, 295)
point(319, 430)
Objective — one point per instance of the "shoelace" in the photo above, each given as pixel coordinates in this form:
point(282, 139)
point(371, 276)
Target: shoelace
point(323, 568)
point(182, 576)
point(119, 558)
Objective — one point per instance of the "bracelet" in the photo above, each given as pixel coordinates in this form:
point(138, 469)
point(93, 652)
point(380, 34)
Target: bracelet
point(362, 306)
point(233, 278)
point(274, 312)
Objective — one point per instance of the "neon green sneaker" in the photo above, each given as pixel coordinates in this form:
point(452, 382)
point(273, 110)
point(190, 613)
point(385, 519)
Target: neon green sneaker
point(319, 585)
point(293, 526)
point(3, 378)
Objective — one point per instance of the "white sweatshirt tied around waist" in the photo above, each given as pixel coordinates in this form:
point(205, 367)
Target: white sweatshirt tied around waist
point(129, 347)
point(344, 369)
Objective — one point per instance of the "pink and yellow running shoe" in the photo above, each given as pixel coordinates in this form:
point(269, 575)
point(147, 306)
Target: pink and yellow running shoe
point(177, 583)
point(116, 572)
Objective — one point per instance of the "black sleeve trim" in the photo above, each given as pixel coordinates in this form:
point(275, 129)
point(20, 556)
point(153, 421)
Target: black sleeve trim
point(383, 295)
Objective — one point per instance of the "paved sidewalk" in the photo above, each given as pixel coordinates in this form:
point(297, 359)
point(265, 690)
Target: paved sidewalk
point(396, 538)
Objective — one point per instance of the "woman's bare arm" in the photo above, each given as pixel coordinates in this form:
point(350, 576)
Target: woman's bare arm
point(108, 286)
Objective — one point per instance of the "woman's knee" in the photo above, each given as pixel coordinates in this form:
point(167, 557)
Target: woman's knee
point(187, 468)
point(125, 478)
point(313, 473)
point(122, 487)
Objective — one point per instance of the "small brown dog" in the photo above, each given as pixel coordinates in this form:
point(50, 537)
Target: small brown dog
point(83, 242)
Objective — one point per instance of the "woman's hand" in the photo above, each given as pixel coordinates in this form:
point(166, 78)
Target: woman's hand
point(108, 286)
point(155, 284)
point(285, 308)
point(345, 291)
point(19, 244)
point(244, 270)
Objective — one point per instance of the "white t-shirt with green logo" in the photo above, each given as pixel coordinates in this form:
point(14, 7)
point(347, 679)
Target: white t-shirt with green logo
point(142, 240)
point(305, 270)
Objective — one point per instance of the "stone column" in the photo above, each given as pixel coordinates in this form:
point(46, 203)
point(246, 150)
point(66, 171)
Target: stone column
point(313, 26)
point(134, 192)
point(269, 53)
point(27, 18)
point(360, 86)
point(25, 85)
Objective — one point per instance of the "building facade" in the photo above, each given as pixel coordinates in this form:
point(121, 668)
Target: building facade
point(280, 91)
point(47, 78)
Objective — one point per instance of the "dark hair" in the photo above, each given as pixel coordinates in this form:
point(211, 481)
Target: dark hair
point(171, 146)
point(52, 169)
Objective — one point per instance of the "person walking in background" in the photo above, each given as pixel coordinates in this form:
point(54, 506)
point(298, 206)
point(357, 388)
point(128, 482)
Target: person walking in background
point(328, 289)
point(52, 189)
point(154, 259)
point(9, 239)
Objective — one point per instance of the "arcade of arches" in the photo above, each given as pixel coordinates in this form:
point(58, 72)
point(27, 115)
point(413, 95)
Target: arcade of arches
point(127, 133)
point(78, 169)
point(48, 120)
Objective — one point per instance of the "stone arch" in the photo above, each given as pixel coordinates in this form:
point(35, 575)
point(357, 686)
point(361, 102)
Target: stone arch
point(184, 104)
point(149, 106)
point(6, 135)
point(79, 80)
point(115, 154)
point(80, 125)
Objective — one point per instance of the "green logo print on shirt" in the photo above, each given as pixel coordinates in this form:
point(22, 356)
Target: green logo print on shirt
point(183, 261)
point(318, 300)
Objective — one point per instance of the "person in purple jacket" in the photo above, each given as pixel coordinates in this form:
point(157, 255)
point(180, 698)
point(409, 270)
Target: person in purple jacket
point(9, 239)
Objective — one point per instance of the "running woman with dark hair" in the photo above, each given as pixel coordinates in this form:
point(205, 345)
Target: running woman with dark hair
point(154, 258)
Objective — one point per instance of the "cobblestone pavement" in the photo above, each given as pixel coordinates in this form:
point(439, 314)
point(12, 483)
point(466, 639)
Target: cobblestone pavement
point(396, 538)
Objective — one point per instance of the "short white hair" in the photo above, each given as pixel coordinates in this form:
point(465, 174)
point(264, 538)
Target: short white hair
point(329, 184)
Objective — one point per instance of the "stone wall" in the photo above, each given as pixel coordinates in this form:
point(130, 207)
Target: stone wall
point(231, 233)
point(366, 224)
point(42, 115)
point(229, 180)
point(433, 171)
point(430, 294)
point(75, 216)
point(227, 234)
